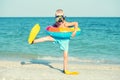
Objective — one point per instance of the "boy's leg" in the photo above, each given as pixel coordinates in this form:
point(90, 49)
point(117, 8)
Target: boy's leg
point(43, 39)
point(65, 65)
point(65, 62)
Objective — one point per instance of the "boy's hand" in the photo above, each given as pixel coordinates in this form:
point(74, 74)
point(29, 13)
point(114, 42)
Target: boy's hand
point(73, 34)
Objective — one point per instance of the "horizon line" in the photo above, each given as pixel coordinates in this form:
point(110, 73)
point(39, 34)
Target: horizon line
point(54, 16)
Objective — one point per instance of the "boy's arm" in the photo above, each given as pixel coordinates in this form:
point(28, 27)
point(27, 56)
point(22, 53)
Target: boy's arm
point(75, 24)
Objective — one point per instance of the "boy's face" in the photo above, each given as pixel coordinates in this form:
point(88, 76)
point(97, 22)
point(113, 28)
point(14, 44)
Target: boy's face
point(59, 17)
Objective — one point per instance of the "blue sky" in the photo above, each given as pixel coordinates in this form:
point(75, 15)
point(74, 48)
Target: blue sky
point(40, 8)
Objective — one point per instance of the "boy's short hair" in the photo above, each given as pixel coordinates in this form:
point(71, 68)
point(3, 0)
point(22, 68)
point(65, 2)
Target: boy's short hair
point(59, 11)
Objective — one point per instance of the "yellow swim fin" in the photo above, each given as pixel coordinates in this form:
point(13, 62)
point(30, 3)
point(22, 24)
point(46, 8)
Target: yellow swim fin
point(71, 73)
point(33, 33)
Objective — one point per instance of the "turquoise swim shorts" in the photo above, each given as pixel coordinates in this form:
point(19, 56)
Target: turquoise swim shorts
point(63, 43)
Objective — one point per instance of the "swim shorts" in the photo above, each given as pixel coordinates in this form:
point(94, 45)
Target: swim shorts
point(63, 43)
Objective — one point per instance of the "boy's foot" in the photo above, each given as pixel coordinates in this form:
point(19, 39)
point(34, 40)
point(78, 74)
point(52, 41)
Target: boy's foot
point(32, 42)
point(70, 73)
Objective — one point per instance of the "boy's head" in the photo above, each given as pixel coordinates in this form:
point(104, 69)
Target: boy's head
point(59, 12)
point(59, 15)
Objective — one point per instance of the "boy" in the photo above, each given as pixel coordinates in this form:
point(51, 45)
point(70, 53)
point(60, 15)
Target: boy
point(64, 44)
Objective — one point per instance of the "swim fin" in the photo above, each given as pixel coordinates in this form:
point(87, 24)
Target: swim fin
point(33, 33)
point(70, 73)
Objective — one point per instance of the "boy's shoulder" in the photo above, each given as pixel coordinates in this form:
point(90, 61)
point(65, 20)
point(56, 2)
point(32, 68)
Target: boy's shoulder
point(67, 23)
point(70, 23)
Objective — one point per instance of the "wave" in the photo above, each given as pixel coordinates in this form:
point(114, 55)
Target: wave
point(74, 60)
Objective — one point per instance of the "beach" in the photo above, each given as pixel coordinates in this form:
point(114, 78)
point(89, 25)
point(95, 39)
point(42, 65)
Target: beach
point(95, 54)
point(80, 36)
point(16, 70)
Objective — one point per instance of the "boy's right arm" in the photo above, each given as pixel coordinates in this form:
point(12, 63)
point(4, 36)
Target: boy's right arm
point(75, 24)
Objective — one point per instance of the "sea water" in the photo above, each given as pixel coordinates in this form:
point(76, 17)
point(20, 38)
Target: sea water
point(99, 41)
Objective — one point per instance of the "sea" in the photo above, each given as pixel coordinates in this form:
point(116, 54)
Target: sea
point(98, 43)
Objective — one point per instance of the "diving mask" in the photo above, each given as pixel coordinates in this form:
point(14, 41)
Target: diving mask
point(60, 18)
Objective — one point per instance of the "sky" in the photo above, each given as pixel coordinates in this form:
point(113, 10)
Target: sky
point(47, 8)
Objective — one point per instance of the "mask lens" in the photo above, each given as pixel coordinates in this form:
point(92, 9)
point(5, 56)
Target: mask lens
point(59, 18)
point(56, 16)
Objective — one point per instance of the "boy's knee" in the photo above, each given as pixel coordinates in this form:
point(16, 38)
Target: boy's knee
point(65, 54)
point(49, 38)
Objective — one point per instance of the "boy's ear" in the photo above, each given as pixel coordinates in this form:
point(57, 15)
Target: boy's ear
point(64, 17)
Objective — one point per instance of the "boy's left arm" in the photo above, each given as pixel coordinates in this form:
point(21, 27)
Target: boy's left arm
point(75, 24)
